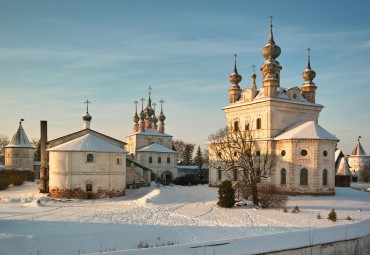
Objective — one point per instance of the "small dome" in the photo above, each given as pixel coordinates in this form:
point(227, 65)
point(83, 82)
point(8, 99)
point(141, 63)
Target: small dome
point(161, 117)
point(155, 119)
point(235, 78)
point(149, 111)
point(254, 76)
point(309, 74)
point(135, 118)
point(87, 117)
point(142, 115)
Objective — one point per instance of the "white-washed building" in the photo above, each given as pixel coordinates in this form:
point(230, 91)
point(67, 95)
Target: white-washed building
point(19, 153)
point(283, 121)
point(149, 145)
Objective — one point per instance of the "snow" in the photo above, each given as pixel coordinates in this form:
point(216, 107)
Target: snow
point(155, 147)
point(31, 222)
point(19, 139)
point(306, 130)
point(87, 142)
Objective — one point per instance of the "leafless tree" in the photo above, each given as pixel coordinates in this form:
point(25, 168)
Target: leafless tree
point(179, 146)
point(4, 141)
point(236, 152)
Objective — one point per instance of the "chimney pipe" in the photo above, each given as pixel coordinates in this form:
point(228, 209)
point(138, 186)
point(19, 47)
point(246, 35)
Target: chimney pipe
point(44, 171)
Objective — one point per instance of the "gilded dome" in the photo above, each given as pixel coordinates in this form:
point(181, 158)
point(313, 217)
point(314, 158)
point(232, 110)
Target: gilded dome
point(235, 78)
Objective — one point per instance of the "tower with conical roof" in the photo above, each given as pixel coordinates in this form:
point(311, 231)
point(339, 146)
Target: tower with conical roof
point(19, 153)
point(358, 161)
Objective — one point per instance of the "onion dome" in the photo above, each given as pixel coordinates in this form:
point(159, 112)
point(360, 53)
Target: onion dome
point(309, 74)
point(254, 76)
point(149, 112)
point(270, 67)
point(87, 117)
point(161, 117)
point(271, 48)
point(135, 118)
point(142, 115)
point(235, 78)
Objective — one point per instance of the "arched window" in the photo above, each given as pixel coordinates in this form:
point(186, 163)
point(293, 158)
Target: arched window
point(236, 126)
point(90, 158)
point(247, 126)
point(258, 153)
point(325, 177)
point(304, 177)
point(259, 124)
point(283, 176)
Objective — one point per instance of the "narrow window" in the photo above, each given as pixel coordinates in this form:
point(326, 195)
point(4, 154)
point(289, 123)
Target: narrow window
point(159, 160)
point(168, 160)
point(219, 173)
point(235, 153)
point(304, 177)
point(283, 153)
point(118, 161)
point(150, 160)
point(258, 153)
point(88, 187)
point(90, 158)
point(235, 173)
point(325, 153)
point(247, 127)
point(325, 177)
point(259, 123)
point(283, 176)
point(236, 126)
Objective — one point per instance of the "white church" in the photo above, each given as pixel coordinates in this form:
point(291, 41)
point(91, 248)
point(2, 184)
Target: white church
point(283, 120)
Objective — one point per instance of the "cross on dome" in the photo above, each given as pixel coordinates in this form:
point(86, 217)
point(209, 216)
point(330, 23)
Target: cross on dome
point(271, 17)
point(253, 66)
point(87, 102)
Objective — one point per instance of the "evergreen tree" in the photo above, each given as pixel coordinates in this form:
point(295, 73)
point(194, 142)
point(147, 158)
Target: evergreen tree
point(226, 195)
point(187, 154)
point(198, 160)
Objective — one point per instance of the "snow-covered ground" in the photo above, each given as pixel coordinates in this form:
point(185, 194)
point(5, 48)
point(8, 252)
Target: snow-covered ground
point(31, 223)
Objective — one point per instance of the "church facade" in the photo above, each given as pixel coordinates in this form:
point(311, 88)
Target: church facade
point(149, 145)
point(284, 122)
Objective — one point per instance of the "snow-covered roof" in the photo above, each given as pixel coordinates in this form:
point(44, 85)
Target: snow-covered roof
point(87, 142)
point(155, 147)
point(306, 130)
point(343, 167)
point(359, 150)
point(152, 131)
point(191, 167)
point(19, 139)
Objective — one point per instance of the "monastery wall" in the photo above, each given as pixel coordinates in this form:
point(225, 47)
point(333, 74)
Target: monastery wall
point(70, 173)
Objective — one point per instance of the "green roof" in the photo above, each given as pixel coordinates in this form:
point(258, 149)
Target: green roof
point(129, 161)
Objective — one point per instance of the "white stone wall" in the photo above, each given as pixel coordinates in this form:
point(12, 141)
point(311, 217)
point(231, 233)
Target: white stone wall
point(158, 168)
point(70, 170)
point(19, 158)
point(357, 164)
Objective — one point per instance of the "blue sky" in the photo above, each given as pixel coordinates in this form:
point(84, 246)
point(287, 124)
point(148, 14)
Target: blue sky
point(56, 54)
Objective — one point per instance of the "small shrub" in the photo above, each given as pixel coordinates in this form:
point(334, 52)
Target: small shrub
point(349, 218)
point(332, 215)
point(226, 195)
point(296, 209)
point(186, 180)
point(142, 245)
point(15, 177)
point(270, 196)
point(319, 216)
point(285, 210)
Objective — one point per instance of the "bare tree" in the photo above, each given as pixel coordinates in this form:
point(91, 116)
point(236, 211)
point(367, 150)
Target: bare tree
point(179, 146)
point(205, 156)
point(365, 174)
point(4, 141)
point(237, 153)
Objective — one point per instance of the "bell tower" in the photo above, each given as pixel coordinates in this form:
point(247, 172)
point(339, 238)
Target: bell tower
point(235, 91)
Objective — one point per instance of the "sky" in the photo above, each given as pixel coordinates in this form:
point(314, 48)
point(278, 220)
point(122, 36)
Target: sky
point(56, 54)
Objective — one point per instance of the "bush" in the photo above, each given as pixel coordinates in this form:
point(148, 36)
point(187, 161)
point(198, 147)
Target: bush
point(186, 180)
point(269, 196)
point(296, 209)
point(319, 216)
point(349, 218)
point(285, 210)
point(15, 177)
point(226, 195)
point(332, 215)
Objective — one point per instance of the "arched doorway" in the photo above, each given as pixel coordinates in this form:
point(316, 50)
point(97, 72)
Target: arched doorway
point(167, 177)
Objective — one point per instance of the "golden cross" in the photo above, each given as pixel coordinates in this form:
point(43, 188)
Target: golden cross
point(87, 102)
